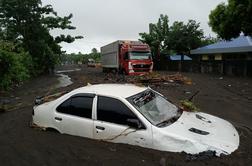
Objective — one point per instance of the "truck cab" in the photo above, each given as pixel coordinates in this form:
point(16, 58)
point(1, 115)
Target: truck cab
point(135, 58)
point(128, 57)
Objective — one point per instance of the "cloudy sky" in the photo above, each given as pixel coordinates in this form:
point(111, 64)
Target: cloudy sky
point(104, 21)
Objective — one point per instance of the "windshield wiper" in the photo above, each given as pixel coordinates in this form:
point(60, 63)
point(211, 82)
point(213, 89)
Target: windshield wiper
point(168, 121)
point(164, 123)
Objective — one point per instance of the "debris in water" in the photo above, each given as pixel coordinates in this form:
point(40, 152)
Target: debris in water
point(201, 156)
point(43, 99)
point(189, 106)
point(151, 78)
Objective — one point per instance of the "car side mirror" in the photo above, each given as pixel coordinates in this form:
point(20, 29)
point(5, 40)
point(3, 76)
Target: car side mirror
point(135, 123)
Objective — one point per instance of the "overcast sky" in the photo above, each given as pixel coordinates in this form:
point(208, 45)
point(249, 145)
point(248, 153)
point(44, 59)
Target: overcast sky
point(104, 21)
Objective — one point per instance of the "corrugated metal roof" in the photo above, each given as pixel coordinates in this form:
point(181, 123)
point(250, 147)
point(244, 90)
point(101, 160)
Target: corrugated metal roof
point(240, 44)
point(178, 57)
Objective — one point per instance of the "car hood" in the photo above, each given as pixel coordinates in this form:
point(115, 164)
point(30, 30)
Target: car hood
point(204, 132)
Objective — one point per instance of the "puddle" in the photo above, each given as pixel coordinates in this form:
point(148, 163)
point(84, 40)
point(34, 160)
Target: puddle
point(64, 80)
point(67, 71)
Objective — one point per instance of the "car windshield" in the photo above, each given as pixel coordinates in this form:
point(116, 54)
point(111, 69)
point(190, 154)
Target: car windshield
point(139, 55)
point(155, 108)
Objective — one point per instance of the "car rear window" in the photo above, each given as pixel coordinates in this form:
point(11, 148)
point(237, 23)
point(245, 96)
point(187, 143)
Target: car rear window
point(77, 106)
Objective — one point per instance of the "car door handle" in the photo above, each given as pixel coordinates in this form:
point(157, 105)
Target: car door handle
point(100, 128)
point(57, 118)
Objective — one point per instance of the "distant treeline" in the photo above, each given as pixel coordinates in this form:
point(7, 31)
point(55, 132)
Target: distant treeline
point(76, 58)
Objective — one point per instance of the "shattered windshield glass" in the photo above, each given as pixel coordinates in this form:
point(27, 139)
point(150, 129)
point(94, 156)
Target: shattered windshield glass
point(155, 108)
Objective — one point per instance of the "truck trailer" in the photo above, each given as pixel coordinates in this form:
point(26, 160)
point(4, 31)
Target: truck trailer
point(128, 57)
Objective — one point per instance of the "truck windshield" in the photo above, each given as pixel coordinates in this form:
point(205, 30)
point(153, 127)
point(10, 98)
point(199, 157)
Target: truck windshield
point(139, 55)
point(155, 108)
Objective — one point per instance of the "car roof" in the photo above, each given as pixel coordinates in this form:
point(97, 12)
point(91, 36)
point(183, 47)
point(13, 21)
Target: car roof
point(116, 90)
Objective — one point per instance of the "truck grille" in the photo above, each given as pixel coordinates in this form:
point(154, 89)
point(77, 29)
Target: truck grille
point(141, 70)
point(141, 66)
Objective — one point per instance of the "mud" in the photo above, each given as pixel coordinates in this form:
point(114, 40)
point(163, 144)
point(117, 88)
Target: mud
point(227, 97)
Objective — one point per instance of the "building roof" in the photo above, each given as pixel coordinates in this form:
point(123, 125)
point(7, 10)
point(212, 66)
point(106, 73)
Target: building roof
point(113, 90)
point(240, 44)
point(178, 58)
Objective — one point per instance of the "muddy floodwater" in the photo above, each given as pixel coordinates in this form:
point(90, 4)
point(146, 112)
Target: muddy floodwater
point(227, 97)
point(64, 80)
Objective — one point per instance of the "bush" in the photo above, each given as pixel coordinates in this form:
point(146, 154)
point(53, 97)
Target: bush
point(13, 67)
point(189, 106)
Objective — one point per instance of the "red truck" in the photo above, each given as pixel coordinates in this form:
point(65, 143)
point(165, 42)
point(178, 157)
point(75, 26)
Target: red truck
point(129, 57)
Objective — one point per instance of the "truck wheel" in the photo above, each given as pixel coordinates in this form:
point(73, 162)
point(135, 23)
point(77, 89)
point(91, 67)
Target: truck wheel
point(124, 72)
point(115, 71)
point(120, 71)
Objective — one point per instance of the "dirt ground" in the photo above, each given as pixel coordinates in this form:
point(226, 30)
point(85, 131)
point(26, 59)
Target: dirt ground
point(227, 97)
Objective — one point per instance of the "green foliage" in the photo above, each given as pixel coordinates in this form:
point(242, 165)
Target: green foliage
point(26, 44)
point(75, 58)
point(228, 21)
point(94, 55)
point(209, 40)
point(94, 51)
point(67, 39)
point(189, 106)
point(156, 36)
point(28, 22)
point(178, 38)
point(184, 37)
point(14, 65)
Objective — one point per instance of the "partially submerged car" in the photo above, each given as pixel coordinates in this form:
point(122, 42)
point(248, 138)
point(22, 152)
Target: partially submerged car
point(138, 116)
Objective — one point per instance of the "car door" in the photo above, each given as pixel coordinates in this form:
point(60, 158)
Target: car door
point(115, 122)
point(74, 115)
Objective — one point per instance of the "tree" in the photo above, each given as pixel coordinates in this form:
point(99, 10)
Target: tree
point(95, 55)
point(14, 64)
point(80, 57)
point(28, 22)
point(209, 40)
point(228, 21)
point(156, 36)
point(94, 51)
point(184, 37)
point(178, 38)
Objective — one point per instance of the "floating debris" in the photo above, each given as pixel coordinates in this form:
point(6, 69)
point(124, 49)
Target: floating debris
point(189, 106)
point(151, 78)
point(201, 156)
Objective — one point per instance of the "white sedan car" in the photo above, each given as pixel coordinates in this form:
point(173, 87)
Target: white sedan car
point(138, 116)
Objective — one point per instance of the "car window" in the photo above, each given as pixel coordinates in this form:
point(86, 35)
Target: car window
point(113, 110)
point(78, 106)
point(64, 107)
